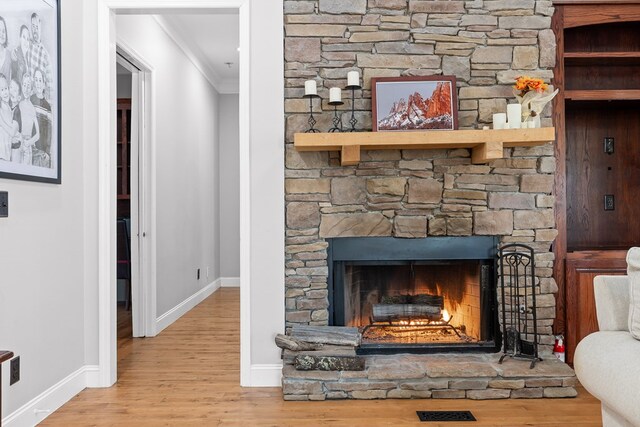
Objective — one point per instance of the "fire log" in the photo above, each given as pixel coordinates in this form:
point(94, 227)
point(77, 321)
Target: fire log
point(396, 312)
point(426, 299)
point(336, 335)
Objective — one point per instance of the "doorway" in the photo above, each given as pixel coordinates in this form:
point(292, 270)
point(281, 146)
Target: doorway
point(130, 292)
point(124, 265)
point(261, 180)
point(157, 317)
point(132, 182)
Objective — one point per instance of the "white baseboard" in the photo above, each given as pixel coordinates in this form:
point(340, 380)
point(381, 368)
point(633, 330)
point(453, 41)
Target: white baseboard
point(230, 282)
point(43, 405)
point(179, 310)
point(266, 375)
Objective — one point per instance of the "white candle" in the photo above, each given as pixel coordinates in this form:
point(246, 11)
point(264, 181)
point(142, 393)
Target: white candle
point(499, 120)
point(353, 78)
point(310, 87)
point(335, 94)
point(514, 113)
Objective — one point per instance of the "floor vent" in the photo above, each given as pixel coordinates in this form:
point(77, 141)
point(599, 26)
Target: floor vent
point(446, 416)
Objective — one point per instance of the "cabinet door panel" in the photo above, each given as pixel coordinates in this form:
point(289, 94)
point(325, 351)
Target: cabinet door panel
point(581, 268)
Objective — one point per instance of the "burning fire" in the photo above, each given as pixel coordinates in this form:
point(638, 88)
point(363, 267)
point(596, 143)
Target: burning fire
point(412, 322)
point(407, 323)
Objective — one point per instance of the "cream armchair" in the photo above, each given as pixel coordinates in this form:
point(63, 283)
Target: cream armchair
point(607, 362)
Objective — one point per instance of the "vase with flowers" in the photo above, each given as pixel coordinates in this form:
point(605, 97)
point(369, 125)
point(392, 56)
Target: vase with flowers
point(533, 94)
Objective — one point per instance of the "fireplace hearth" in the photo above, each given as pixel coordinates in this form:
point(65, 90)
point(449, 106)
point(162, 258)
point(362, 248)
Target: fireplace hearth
point(416, 295)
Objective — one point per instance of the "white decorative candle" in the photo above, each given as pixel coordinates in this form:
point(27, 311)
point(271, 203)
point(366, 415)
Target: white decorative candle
point(353, 78)
point(335, 94)
point(499, 120)
point(514, 113)
point(310, 87)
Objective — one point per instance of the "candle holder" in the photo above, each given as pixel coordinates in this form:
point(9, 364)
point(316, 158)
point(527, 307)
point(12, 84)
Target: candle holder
point(337, 119)
point(353, 120)
point(312, 121)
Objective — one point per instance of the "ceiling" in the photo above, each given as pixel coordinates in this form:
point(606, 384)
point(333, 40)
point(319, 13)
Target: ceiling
point(210, 41)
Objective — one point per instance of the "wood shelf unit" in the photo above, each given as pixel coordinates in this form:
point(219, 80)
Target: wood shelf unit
point(602, 95)
point(598, 73)
point(4, 356)
point(594, 59)
point(124, 156)
point(486, 145)
point(601, 55)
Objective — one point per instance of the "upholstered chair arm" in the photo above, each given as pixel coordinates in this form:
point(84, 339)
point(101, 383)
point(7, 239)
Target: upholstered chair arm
point(612, 302)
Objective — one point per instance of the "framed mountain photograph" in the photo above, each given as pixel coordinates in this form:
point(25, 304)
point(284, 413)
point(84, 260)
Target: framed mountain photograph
point(414, 103)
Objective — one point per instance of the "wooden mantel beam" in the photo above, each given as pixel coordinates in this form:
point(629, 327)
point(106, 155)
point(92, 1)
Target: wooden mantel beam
point(486, 152)
point(486, 145)
point(350, 155)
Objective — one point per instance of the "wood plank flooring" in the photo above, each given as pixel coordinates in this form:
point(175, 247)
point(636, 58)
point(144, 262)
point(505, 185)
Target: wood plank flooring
point(189, 376)
point(125, 333)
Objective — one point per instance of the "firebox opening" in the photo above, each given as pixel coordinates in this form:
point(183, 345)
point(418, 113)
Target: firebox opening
point(414, 302)
point(420, 296)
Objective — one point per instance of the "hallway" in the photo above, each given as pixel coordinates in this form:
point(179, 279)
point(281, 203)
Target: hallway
point(189, 375)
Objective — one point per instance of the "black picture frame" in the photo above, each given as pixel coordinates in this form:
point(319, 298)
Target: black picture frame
point(31, 131)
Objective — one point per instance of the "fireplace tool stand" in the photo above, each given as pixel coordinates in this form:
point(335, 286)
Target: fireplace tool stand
point(519, 316)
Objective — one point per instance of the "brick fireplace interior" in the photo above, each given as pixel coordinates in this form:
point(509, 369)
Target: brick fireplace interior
point(419, 295)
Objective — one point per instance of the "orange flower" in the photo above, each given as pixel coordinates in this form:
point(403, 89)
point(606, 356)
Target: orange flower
point(526, 84)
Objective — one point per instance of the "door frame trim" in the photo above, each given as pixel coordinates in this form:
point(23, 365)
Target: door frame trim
point(106, 51)
point(143, 199)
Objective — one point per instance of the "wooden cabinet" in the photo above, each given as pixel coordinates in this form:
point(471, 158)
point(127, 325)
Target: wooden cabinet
point(124, 156)
point(4, 356)
point(582, 267)
point(602, 84)
point(597, 189)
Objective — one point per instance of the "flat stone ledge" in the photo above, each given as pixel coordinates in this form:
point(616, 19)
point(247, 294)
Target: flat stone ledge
point(437, 376)
point(551, 367)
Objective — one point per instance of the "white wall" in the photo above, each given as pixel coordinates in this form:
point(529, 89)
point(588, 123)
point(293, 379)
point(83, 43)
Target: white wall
point(186, 163)
point(229, 168)
point(267, 188)
point(49, 245)
point(42, 244)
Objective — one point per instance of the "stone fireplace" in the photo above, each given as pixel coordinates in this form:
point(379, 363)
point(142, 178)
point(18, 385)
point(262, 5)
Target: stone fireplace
point(415, 296)
point(415, 195)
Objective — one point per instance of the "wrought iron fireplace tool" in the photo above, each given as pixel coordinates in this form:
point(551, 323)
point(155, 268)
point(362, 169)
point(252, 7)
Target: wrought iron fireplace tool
point(518, 297)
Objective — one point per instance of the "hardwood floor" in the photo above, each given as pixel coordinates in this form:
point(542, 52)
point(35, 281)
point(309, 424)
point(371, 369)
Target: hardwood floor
point(125, 334)
point(189, 376)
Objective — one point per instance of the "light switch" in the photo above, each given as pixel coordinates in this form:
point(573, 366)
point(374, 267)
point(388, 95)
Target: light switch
point(609, 145)
point(4, 204)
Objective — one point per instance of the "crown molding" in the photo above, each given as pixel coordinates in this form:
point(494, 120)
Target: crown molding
point(194, 54)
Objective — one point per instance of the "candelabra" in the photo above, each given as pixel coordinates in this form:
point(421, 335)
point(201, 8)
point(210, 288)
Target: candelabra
point(337, 119)
point(353, 120)
point(312, 121)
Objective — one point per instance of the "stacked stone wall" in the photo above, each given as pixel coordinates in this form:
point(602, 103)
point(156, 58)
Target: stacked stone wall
point(414, 193)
